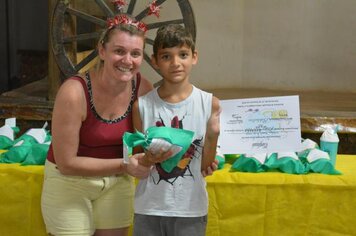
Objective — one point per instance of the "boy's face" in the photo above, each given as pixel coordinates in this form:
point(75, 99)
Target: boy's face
point(175, 63)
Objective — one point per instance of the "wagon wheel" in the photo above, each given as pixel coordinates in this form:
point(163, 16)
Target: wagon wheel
point(77, 25)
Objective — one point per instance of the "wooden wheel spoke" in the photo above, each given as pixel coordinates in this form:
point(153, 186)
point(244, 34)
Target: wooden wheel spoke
point(143, 13)
point(149, 41)
point(106, 9)
point(87, 17)
point(131, 7)
point(86, 60)
point(81, 37)
point(148, 60)
point(146, 57)
point(159, 24)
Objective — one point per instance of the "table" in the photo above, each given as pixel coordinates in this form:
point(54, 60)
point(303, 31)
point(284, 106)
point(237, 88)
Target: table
point(20, 196)
point(240, 203)
point(283, 204)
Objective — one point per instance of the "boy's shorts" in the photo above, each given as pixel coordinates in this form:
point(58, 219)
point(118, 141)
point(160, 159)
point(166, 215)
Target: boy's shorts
point(149, 225)
point(76, 205)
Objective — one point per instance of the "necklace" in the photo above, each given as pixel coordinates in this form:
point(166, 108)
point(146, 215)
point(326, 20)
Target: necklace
point(92, 107)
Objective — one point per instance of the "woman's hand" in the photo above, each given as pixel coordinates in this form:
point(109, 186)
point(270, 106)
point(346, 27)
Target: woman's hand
point(135, 168)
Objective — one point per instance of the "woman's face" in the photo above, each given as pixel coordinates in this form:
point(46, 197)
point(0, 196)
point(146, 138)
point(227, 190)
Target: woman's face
point(122, 55)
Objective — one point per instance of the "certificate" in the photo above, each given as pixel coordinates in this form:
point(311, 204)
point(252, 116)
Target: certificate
point(255, 125)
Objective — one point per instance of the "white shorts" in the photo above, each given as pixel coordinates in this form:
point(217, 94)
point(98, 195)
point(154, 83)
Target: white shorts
point(76, 205)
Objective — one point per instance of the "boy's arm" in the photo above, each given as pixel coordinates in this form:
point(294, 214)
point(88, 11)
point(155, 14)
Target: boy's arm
point(136, 118)
point(211, 136)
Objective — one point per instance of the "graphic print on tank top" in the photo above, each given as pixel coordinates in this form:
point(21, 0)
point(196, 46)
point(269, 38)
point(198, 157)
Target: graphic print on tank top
point(182, 169)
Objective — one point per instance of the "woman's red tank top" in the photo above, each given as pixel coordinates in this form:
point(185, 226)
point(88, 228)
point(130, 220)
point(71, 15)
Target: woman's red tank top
point(99, 137)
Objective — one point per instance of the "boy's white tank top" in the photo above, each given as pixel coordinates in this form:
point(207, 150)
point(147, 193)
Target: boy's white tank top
point(181, 193)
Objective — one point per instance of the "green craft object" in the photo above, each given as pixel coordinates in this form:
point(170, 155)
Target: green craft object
point(178, 137)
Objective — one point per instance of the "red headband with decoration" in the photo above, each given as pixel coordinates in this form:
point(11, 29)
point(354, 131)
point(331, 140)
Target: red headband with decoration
point(153, 9)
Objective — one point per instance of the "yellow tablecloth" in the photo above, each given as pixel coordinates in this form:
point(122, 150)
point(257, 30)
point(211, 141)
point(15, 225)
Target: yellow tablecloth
point(240, 203)
point(20, 196)
point(277, 204)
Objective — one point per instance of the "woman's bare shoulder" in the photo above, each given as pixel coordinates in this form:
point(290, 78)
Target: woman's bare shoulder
point(70, 96)
point(70, 89)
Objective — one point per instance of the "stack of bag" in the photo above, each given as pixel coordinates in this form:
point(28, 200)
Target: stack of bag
point(28, 149)
point(309, 160)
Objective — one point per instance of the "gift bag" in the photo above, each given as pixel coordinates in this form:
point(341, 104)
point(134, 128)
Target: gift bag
point(24, 144)
point(287, 162)
point(252, 162)
point(160, 138)
point(320, 162)
point(8, 133)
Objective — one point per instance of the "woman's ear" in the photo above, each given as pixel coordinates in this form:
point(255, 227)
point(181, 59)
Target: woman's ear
point(154, 62)
point(101, 51)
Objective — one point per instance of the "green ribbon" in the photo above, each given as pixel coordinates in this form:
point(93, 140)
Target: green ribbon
point(178, 137)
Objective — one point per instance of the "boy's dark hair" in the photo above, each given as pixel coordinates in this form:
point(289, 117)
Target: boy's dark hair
point(172, 35)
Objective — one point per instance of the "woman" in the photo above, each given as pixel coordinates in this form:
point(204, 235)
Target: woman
point(87, 188)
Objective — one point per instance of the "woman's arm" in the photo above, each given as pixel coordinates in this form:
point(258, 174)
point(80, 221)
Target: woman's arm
point(68, 113)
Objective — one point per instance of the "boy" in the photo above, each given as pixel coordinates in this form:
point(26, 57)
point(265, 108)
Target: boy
point(176, 203)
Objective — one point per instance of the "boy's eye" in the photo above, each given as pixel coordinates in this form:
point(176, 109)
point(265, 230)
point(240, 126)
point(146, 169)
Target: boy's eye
point(165, 57)
point(184, 55)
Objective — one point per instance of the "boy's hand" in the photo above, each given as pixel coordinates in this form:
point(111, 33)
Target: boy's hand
point(213, 167)
point(150, 159)
point(159, 156)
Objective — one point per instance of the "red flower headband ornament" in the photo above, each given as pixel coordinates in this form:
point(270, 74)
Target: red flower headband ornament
point(153, 9)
